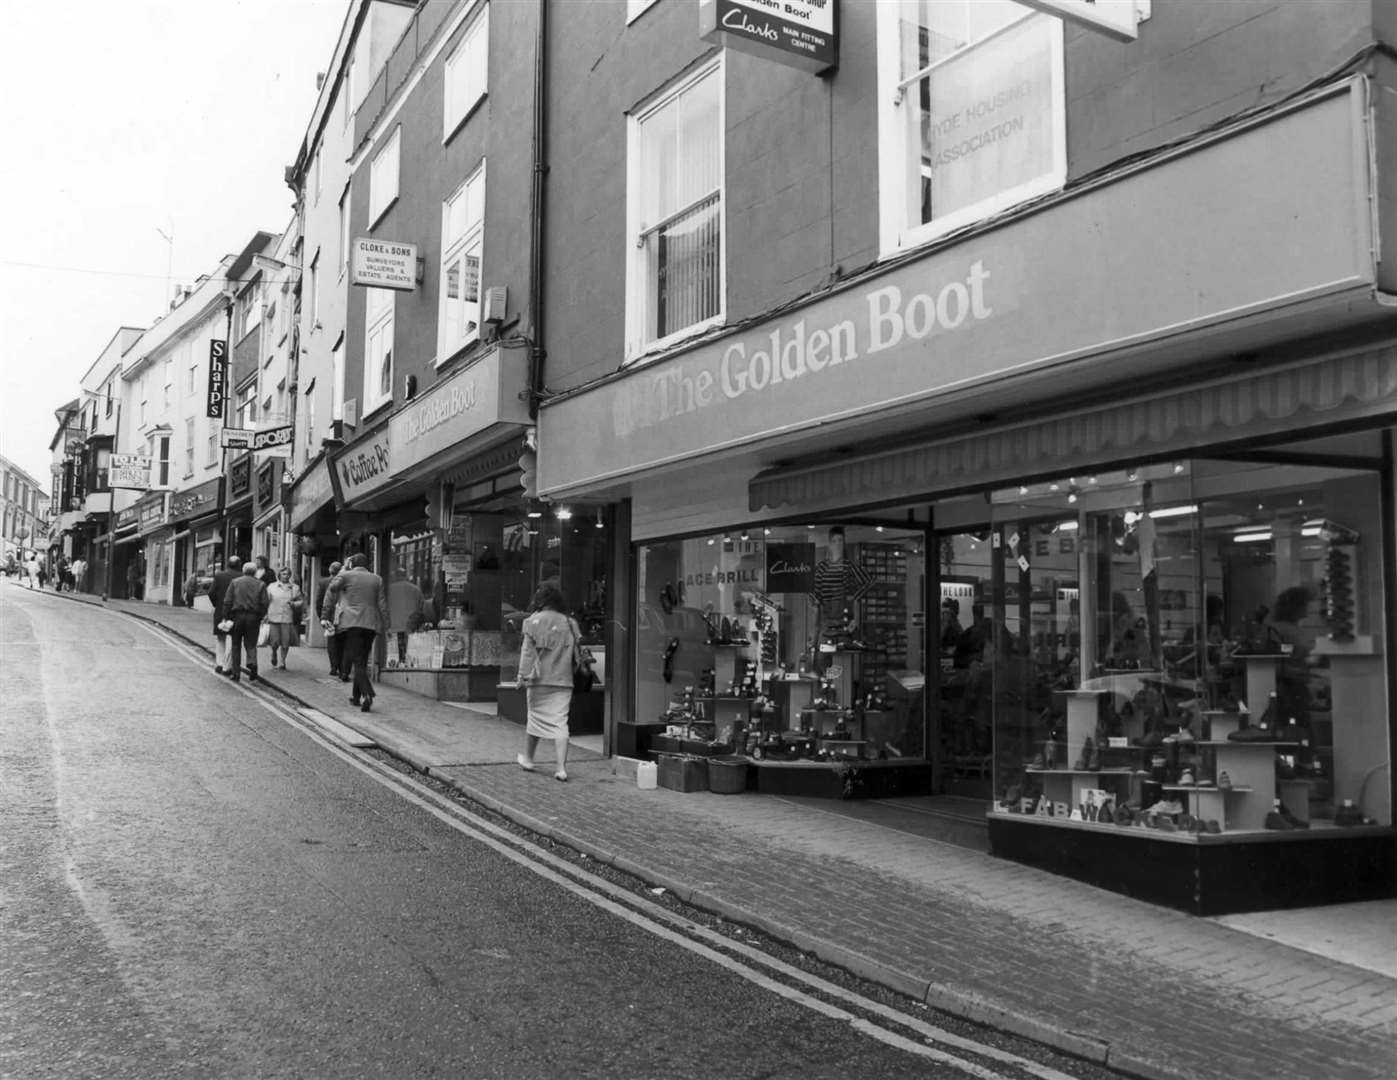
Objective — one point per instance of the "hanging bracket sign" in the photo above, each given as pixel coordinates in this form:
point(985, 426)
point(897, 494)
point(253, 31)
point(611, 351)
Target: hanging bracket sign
point(383, 264)
point(799, 33)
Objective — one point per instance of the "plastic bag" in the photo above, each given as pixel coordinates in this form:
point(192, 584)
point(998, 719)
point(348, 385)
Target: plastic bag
point(264, 635)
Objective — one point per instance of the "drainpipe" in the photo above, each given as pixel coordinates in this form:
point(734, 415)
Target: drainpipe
point(537, 353)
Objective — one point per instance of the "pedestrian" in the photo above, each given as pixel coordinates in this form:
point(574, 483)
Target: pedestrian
point(547, 660)
point(264, 571)
point(356, 604)
point(79, 573)
point(217, 592)
point(245, 603)
point(284, 610)
point(32, 568)
point(65, 574)
point(405, 603)
point(334, 644)
point(135, 578)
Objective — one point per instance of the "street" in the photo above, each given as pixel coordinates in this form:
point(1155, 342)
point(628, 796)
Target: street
point(193, 886)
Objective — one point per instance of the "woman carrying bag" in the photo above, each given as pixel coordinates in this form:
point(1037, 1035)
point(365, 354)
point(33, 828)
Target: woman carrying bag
point(550, 660)
point(283, 616)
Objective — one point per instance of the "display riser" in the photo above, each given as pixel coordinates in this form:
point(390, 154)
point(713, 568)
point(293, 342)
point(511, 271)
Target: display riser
point(841, 780)
point(1209, 878)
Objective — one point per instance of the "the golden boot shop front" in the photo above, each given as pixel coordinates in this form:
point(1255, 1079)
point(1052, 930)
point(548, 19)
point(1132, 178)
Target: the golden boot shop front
point(434, 494)
point(1105, 541)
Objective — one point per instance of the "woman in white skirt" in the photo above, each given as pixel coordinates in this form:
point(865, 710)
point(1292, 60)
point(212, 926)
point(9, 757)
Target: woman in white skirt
point(283, 616)
point(546, 663)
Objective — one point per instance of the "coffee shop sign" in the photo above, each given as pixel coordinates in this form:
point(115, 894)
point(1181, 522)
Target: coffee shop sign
point(363, 466)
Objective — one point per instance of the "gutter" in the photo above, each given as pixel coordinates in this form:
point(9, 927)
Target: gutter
point(537, 353)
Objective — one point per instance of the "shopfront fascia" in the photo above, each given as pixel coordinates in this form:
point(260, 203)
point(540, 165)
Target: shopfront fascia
point(237, 511)
point(1197, 256)
point(310, 502)
point(195, 515)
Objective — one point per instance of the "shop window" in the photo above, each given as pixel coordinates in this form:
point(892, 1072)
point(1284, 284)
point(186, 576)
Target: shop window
point(462, 236)
point(675, 213)
point(972, 113)
point(466, 74)
point(1215, 668)
point(786, 643)
point(378, 348)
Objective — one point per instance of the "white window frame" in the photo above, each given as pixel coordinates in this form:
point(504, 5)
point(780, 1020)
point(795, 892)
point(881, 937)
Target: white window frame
point(315, 292)
point(458, 248)
point(466, 74)
point(344, 231)
point(379, 309)
point(383, 176)
point(337, 380)
point(319, 172)
point(308, 420)
point(213, 445)
point(189, 446)
point(638, 314)
point(898, 93)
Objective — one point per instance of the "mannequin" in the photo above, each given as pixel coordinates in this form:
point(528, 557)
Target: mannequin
point(838, 582)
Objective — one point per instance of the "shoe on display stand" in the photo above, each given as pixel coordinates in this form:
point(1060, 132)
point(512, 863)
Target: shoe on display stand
point(1224, 781)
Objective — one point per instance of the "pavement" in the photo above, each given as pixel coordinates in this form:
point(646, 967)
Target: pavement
point(905, 899)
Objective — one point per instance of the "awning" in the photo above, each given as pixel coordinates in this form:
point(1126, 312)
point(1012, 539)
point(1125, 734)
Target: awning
point(1335, 390)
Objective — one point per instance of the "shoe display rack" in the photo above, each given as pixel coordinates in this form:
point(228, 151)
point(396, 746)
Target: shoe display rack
point(884, 612)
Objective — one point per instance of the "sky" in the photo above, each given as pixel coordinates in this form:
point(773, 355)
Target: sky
point(122, 121)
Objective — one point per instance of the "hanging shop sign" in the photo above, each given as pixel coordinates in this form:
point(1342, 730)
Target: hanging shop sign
point(275, 440)
point(790, 568)
point(1114, 18)
point(383, 264)
point(218, 380)
point(129, 471)
point(799, 33)
point(1146, 270)
point(268, 491)
point(464, 404)
point(236, 438)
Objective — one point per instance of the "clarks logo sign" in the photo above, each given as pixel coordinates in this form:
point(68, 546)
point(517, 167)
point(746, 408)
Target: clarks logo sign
point(776, 363)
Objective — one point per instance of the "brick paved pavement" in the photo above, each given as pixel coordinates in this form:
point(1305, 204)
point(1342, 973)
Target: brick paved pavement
point(1145, 989)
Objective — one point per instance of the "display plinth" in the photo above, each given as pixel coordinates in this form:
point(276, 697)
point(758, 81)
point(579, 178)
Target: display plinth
point(843, 779)
point(585, 713)
point(1208, 875)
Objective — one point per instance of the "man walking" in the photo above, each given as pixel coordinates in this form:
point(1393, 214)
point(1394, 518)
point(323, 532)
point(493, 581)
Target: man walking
point(357, 606)
point(246, 604)
point(334, 644)
point(218, 591)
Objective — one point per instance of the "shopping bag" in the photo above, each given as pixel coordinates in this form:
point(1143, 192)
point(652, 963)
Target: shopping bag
point(264, 635)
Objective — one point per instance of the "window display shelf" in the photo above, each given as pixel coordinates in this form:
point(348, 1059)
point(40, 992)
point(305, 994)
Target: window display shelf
point(1207, 788)
point(1079, 772)
point(1236, 742)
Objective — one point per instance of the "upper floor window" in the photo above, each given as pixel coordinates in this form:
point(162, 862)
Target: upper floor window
point(247, 406)
point(378, 348)
point(972, 117)
point(674, 207)
point(248, 313)
point(383, 177)
point(315, 292)
point(344, 230)
point(462, 234)
point(161, 452)
point(466, 76)
point(189, 446)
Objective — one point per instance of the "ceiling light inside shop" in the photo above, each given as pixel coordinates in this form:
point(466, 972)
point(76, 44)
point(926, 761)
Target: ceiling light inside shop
point(600, 524)
point(1173, 511)
point(564, 514)
point(1252, 537)
point(1067, 526)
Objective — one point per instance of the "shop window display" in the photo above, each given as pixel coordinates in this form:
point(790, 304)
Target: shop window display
point(1191, 650)
point(786, 644)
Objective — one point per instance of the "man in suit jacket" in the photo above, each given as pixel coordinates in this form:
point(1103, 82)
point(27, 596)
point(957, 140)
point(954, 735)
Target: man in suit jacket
point(222, 578)
point(246, 603)
point(356, 604)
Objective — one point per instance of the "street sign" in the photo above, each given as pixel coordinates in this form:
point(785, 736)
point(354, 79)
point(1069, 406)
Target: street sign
point(236, 439)
point(129, 471)
point(218, 380)
point(273, 438)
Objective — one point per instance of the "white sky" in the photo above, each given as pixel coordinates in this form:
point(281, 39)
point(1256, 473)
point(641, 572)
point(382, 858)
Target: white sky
point(118, 119)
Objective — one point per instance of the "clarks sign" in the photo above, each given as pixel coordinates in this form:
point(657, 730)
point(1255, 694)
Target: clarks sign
point(799, 33)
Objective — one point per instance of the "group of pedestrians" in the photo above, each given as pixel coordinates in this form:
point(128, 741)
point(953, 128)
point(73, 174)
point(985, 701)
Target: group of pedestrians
point(247, 597)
